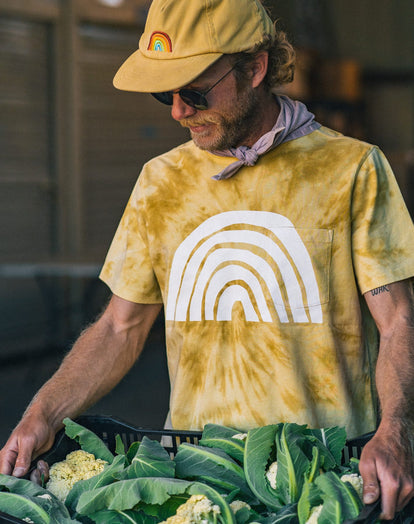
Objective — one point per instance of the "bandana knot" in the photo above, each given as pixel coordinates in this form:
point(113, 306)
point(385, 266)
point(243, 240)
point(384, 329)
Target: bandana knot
point(294, 121)
point(246, 155)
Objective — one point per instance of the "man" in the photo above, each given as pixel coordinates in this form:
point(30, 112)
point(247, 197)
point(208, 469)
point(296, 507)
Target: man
point(278, 248)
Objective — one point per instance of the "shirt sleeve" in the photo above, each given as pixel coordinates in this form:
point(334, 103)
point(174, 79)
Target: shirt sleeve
point(128, 270)
point(382, 229)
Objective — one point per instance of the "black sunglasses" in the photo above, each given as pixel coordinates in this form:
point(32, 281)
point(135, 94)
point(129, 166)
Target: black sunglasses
point(191, 97)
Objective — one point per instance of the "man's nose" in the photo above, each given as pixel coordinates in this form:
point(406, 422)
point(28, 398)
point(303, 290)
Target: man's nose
point(180, 109)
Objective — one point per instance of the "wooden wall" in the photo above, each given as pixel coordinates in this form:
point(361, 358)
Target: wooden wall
point(73, 145)
point(71, 149)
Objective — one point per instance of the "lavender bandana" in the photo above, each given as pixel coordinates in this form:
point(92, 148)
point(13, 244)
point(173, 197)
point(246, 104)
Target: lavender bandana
point(294, 121)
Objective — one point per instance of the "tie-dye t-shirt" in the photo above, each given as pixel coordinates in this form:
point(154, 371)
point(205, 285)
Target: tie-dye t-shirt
point(262, 277)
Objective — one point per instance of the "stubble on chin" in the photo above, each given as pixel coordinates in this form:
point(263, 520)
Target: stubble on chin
point(202, 139)
point(229, 130)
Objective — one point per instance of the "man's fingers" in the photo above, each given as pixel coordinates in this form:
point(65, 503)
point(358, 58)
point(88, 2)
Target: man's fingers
point(395, 490)
point(389, 498)
point(20, 471)
point(31, 437)
point(395, 498)
point(23, 460)
point(7, 461)
point(406, 493)
point(371, 490)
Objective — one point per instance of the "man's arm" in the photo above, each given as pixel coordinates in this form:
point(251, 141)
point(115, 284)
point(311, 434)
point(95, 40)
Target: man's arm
point(387, 460)
point(100, 358)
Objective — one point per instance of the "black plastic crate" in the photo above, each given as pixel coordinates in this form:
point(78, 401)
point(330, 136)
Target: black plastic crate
point(107, 428)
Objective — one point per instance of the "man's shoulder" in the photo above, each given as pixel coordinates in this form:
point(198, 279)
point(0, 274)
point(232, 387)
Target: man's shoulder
point(181, 161)
point(329, 137)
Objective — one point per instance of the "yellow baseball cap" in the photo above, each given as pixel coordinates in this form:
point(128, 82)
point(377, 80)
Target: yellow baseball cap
point(182, 38)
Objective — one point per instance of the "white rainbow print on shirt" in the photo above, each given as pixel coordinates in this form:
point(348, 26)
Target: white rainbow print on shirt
point(231, 257)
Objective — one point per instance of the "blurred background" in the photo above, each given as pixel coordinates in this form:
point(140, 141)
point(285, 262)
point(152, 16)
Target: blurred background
point(71, 148)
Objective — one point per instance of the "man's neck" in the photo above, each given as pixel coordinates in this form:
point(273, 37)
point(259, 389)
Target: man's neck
point(267, 113)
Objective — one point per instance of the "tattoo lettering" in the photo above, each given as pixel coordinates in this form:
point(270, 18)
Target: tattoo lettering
point(379, 290)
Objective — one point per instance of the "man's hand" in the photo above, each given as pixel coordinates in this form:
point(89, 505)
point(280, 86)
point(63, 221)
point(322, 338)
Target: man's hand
point(386, 468)
point(387, 462)
point(32, 437)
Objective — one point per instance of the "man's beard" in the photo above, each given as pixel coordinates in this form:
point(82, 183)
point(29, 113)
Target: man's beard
point(232, 129)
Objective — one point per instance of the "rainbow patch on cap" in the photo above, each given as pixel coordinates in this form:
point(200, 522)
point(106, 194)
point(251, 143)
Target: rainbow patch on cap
point(160, 42)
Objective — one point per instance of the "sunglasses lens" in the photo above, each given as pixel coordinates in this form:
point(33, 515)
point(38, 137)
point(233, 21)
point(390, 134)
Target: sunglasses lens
point(188, 96)
point(165, 97)
point(193, 99)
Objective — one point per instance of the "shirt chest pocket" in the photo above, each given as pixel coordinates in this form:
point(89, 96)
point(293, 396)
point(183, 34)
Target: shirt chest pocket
point(301, 259)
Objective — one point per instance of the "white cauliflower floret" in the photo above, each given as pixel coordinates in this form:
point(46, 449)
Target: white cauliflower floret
point(196, 510)
point(237, 505)
point(356, 482)
point(240, 436)
point(314, 515)
point(354, 479)
point(271, 474)
point(78, 465)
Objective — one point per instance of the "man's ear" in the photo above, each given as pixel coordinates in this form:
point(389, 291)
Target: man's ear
point(259, 68)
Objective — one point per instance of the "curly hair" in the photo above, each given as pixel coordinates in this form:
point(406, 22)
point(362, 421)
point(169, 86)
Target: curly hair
point(281, 66)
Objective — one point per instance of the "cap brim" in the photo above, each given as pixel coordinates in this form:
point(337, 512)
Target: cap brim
point(151, 75)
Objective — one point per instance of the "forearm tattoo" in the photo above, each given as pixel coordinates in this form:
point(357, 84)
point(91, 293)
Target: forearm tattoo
point(379, 290)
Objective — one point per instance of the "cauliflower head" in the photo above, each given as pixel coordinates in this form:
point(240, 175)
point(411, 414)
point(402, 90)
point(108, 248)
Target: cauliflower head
point(314, 515)
point(78, 465)
point(237, 505)
point(271, 474)
point(356, 482)
point(196, 510)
